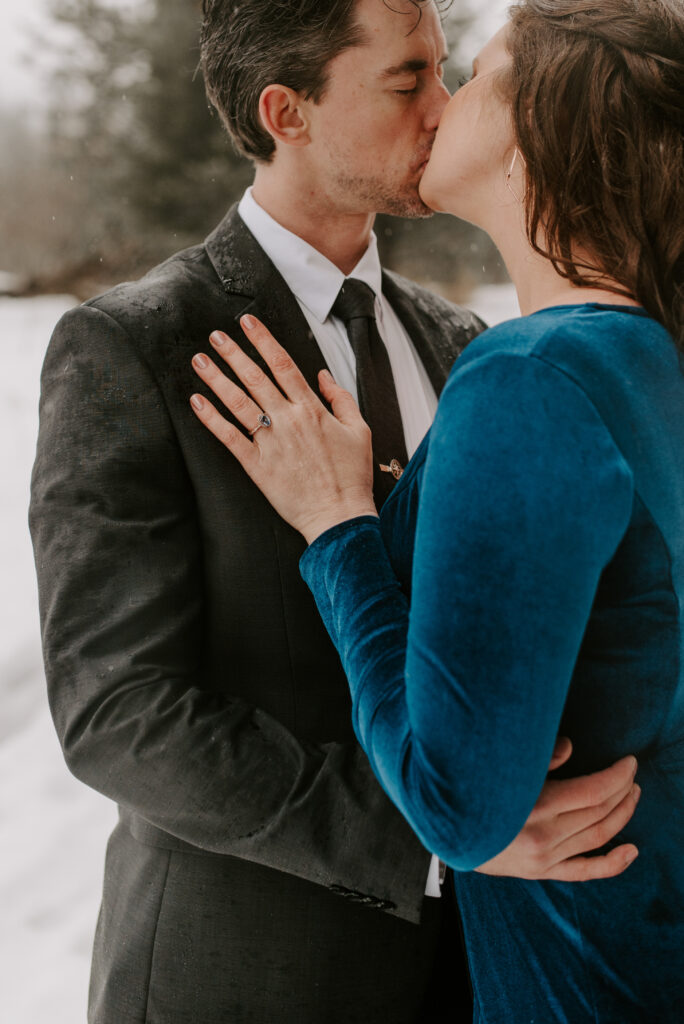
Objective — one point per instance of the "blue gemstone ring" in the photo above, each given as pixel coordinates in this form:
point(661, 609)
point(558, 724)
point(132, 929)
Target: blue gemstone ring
point(263, 421)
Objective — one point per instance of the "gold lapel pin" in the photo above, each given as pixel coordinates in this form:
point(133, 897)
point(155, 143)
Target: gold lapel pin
point(394, 468)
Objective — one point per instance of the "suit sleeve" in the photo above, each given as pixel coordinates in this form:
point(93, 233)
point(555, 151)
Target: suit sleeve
point(458, 699)
point(119, 563)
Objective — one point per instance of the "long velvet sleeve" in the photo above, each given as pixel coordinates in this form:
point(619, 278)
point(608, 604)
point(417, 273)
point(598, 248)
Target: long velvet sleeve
point(457, 700)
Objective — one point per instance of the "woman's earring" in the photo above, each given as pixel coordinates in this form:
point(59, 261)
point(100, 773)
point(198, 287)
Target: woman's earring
point(516, 154)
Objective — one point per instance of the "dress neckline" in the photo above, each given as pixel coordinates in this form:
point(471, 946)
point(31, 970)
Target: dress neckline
point(616, 307)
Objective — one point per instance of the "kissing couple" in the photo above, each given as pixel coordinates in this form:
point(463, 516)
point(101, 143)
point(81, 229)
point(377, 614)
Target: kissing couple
point(369, 671)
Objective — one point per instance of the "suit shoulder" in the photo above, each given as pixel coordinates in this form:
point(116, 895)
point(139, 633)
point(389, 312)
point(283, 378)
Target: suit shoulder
point(173, 306)
point(155, 320)
point(170, 285)
point(436, 306)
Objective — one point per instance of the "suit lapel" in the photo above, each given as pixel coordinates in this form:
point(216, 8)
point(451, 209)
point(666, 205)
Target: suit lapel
point(437, 335)
point(278, 309)
point(438, 331)
point(245, 270)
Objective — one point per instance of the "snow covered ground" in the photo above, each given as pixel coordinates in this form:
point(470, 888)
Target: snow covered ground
point(53, 830)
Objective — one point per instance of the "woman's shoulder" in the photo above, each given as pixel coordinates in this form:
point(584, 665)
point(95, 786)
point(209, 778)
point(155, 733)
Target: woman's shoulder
point(550, 331)
point(588, 342)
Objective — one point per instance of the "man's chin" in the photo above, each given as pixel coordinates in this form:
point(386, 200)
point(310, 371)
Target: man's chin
point(376, 196)
point(412, 207)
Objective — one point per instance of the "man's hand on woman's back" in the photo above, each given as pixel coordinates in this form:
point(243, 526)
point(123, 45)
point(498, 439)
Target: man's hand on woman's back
point(572, 818)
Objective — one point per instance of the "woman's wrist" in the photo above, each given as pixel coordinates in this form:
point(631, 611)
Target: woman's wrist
point(325, 521)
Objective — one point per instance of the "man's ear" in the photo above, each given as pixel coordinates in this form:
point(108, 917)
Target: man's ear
point(283, 115)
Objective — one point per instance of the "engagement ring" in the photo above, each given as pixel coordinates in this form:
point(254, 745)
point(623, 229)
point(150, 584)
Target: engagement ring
point(263, 421)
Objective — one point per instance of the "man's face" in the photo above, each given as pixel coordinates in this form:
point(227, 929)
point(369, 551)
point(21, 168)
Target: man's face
point(372, 132)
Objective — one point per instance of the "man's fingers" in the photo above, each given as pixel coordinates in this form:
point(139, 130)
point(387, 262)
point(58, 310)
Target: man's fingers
point(600, 832)
point(587, 869)
point(570, 823)
point(561, 753)
point(244, 451)
point(244, 408)
point(589, 790)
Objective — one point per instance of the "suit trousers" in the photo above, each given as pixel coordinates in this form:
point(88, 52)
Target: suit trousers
point(199, 929)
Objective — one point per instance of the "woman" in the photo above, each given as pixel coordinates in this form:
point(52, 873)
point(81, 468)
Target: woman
point(545, 566)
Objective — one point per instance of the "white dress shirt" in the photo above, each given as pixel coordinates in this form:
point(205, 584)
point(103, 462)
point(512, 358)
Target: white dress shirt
point(315, 283)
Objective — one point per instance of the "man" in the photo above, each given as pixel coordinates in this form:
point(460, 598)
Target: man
point(258, 872)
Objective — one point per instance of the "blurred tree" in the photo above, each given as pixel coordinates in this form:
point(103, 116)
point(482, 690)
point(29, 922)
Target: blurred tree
point(183, 170)
point(132, 129)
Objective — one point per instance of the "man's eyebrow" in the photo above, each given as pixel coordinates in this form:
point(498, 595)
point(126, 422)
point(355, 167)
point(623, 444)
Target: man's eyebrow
point(414, 65)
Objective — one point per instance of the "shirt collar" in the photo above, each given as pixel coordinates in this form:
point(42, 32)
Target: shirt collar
point(309, 275)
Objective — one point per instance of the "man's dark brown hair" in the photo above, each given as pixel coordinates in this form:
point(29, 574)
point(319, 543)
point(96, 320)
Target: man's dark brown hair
point(597, 89)
point(249, 44)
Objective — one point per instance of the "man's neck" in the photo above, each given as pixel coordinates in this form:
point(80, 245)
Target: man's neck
point(341, 237)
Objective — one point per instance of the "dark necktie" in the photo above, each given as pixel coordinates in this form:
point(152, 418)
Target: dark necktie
point(355, 306)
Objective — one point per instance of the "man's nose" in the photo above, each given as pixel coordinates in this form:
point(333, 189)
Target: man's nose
point(439, 98)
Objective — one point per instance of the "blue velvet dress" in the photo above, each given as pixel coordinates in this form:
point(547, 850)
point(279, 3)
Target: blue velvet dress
point(539, 535)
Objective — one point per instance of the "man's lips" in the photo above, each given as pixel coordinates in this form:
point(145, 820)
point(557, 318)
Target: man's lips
point(420, 167)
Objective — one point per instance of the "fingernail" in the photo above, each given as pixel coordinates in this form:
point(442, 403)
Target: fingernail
point(636, 793)
point(248, 322)
point(327, 376)
point(634, 766)
point(201, 361)
point(218, 338)
point(196, 402)
point(631, 856)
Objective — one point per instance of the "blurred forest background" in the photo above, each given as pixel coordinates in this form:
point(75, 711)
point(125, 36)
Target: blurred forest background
point(129, 163)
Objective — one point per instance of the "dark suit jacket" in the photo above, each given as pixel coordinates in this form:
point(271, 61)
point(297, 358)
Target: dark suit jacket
point(190, 677)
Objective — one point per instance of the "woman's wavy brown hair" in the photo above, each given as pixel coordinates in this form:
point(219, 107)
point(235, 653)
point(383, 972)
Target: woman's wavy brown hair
point(597, 92)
